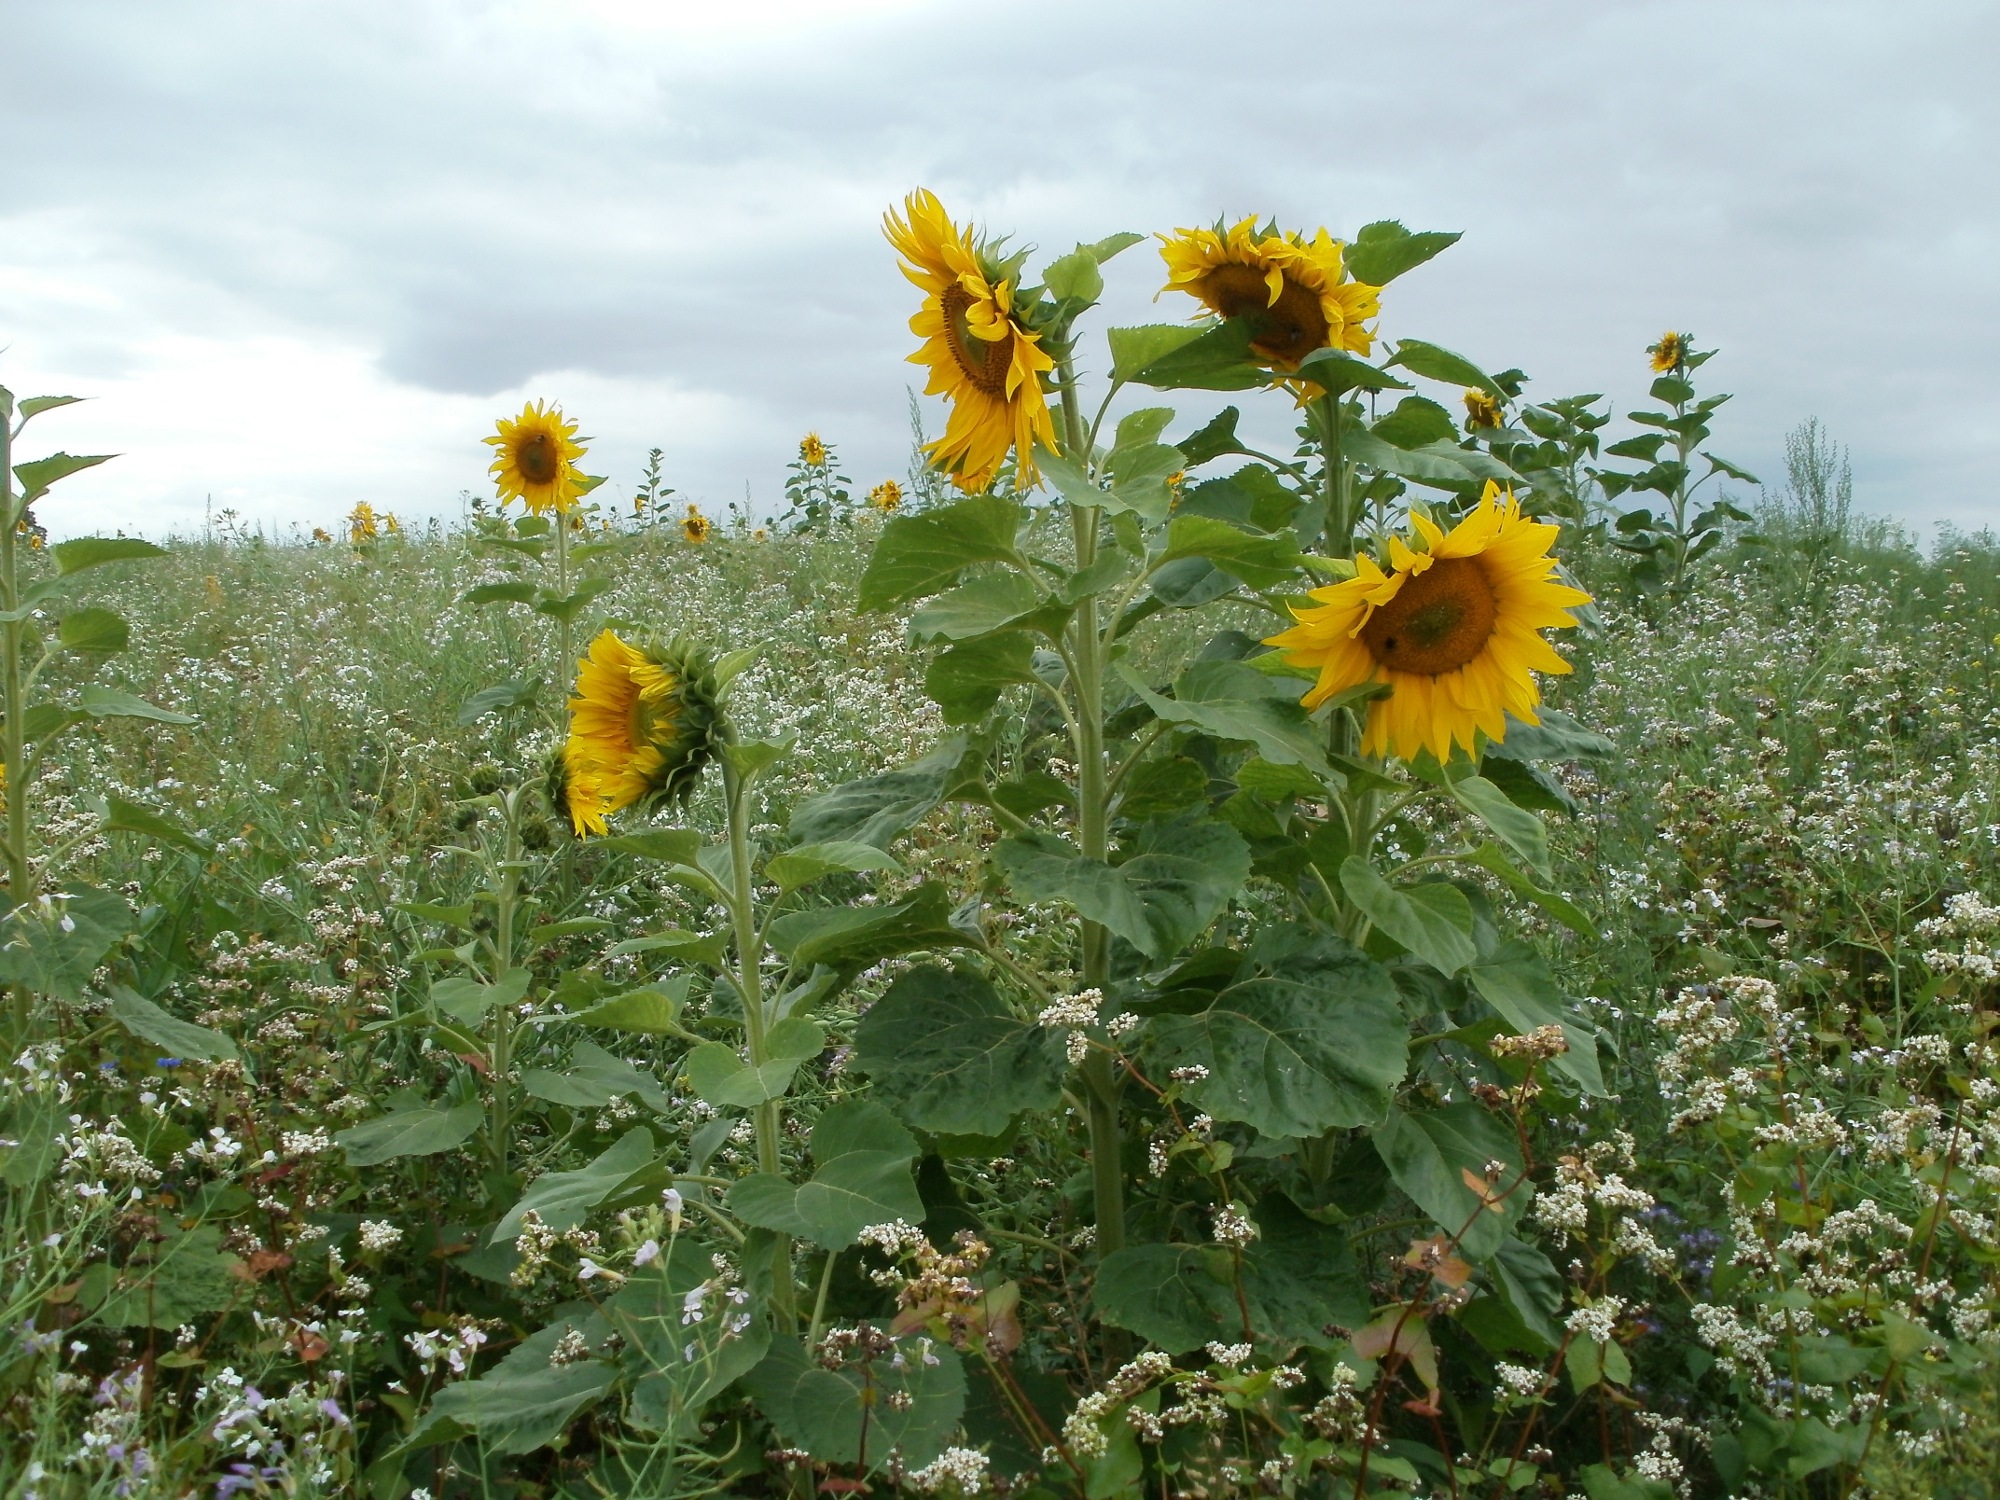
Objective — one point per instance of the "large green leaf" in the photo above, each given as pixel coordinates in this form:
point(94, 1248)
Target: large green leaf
point(38, 475)
point(54, 944)
point(977, 608)
point(924, 554)
point(720, 1076)
point(524, 1402)
point(1556, 737)
point(906, 1409)
point(1170, 1295)
point(1261, 561)
point(1180, 877)
point(1219, 359)
point(1308, 1036)
point(949, 1055)
point(1339, 372)
point(101, 702)
point(863, 1178)
point(1429, 1152)
point(1516, 827)
point(1252, 497)
point(967, 680)
point(149, 1022)
point(1234, 702)
point(189, 1274)
point(121, 816)
point(564, 1198)
point(83, 552)
point(593, 1079)
point(1432, 920)
point(1518, 983)
point(652, 1009)
point(100, 631)
point(805, 863)
point(1133, 349)
point(685, 1363)
point(1442, 364)
point(849, 938)
point(876, 808)
point(1384, 250)
point(468, 1000)
point(1300, 1276)
point(423, 1131)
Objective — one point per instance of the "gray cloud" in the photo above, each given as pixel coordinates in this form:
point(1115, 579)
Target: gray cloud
point(456, 202)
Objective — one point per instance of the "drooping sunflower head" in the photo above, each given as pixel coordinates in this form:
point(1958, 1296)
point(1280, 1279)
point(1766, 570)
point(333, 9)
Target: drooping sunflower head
point(1670, 353)
point(536, 462)
point(1481, 410)
point(812, 451)
point(1294, 292)
point(643, 724)
point(982, 355)
point(1453, 626)
point(886, 497)
point(695, 526)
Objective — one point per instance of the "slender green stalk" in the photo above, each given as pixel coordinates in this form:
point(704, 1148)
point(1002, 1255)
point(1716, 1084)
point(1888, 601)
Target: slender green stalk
point(750, 989)
point(500, 1036)
point(1088, 653)
point(565, 644)
point(13, 741)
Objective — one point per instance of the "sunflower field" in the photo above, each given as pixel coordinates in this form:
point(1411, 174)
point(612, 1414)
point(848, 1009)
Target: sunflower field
point(1455, 959)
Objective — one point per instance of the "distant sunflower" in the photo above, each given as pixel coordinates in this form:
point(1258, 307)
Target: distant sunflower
point(812, 451)
point(1481, 410)
point(1293, 292)
point(981, 356)
point(642, 726)
point(886, 497)
point(361, 524)
point(696, 527)
point(1453, 629)
point(1670, 353)
point(536, 463)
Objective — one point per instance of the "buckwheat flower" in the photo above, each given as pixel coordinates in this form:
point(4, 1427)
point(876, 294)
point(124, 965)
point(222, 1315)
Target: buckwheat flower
point(378, 1235)
point(646, 1254)
point(1232, 1227)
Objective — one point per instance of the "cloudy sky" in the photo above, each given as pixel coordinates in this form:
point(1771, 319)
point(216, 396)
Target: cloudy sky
point(301, 254)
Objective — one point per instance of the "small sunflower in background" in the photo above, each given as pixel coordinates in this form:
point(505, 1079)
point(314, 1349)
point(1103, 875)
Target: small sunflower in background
point(1481, 410)
point(812, 451)
point(695, 526)
point(982, 356)
point(1453, 627)
point(643, 725)
point(887, 497)
point(1293, 292)
point(536, 463)
point(362, 525)
point(1670, 353)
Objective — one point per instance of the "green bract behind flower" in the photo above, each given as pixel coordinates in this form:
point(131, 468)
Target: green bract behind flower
point(642, 726)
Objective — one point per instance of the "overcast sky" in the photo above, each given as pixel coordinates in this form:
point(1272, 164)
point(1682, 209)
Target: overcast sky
point(301, 254)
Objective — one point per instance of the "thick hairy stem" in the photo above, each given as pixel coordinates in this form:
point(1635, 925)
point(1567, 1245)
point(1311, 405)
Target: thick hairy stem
point(12, 695)
point(768, 1119)
point(500, 1060)
point(565, 643)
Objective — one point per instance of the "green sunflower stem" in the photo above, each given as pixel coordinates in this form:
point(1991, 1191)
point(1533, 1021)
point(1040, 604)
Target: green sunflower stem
point(500, 1040)
point(565, 643)
point(767, 1119)
point(13, 738)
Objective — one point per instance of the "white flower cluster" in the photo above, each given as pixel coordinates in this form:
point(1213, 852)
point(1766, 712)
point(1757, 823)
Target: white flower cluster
point(960, 1471)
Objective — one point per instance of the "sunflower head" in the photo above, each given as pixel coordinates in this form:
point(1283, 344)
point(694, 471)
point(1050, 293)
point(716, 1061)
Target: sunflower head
point(362, 526)
point(695, 526)
point(1670, 353)
point(983, 355)
point(812, 451)
point(643, 724)
point(1292, 291)
point(1453, 627)
point(886, 497)
point(1481, 410)
point(536, 461)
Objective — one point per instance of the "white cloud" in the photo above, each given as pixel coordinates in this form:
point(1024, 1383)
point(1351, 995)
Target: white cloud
point(305, 253)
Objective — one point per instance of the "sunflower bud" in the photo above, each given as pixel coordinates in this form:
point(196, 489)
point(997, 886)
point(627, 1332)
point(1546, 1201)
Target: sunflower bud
point(643, 724)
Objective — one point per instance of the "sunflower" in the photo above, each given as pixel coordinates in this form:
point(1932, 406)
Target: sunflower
point(1292, 291)
point(536, 463)
point(696, 527)
point(642, 726)
point(1670, 353)
point(981, 355)
point(1481, 410)
point(886, 497)
point(1453, 627)
point(361, 527)
point(812, 451)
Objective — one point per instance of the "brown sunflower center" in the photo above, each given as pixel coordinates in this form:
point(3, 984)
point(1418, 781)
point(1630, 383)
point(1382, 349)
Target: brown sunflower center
point(984, 363)
point(537, 458)
point(1438, 621)
point(1286, 330)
